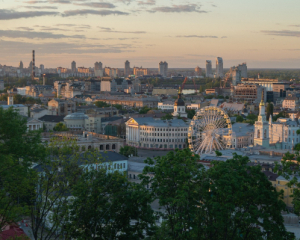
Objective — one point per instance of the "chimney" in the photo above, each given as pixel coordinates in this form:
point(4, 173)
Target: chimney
point(33, 64)
point(10, 100)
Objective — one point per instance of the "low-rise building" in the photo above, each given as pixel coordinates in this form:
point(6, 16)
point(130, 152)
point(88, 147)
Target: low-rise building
point(166, 106)
point(37, 113)
point(34, 124)
point(81, 121)
point(290, 103)
point(20, 108)
point(50, 121)
point(148, 133)
point(61, 107)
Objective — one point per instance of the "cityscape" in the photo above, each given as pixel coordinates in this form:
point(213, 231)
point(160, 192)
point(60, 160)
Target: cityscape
point(118, 120)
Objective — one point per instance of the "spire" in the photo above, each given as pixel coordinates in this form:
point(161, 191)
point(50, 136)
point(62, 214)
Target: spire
point(262, 102)
point(179, 91)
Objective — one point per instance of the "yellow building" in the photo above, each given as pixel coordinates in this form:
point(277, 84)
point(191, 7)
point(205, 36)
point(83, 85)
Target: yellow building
point(281, 184)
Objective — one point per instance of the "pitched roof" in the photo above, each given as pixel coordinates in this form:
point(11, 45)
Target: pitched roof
point(52, 118)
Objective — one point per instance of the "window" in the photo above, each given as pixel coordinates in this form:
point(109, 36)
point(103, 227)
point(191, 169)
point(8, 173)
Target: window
point(278, 182)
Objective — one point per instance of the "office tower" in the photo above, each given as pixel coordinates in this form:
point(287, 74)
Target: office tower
point(236, 76)
point(73, 66)
point(98, 66)
point(42, 67)
point(208, 69)
point(33, 65)
point(243, 68)
point(219, 67)
point(21, 65)
point(127, 69)
point(198, 71)
point(163, 69)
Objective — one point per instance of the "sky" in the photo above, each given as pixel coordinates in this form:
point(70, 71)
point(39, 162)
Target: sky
point(262, 33)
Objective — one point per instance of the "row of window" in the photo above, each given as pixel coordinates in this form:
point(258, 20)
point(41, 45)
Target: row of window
point(164, 129)
point(164, 134)
point(162, 140)
point(164, 146)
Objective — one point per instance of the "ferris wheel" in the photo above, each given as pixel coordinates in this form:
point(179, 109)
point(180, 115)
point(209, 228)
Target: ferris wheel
point(210, 130)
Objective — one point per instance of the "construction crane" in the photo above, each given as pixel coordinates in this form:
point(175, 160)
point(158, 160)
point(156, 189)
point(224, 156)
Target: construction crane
point(184, 82)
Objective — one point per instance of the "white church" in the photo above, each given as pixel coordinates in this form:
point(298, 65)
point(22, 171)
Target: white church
point(279, 135)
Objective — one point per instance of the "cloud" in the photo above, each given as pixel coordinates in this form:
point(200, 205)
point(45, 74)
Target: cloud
point(224, 37)
point(40, 7)
point(21, 48)
point(11, 14)
point(97, 4)
point(35, 2)
point(294, 25)
point(195, 36)
point(31, 34)
point(25, 28)
point(148, 2)
point(94, 12)
point(283, 33)
point(111, 30)
point(179, 9)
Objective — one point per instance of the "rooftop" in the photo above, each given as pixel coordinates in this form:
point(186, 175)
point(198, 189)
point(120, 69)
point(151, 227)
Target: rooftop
point(76, 116)
point(149, 121)
point(52, 118)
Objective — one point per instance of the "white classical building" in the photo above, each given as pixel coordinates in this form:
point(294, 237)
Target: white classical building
point(169, 106)
point(149, 133)
point(34, 124)
point(280, 135)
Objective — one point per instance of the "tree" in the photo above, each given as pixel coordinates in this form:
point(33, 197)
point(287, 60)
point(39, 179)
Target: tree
point(190, 113)
point(201, 89)
point(101, 104)
point(144, 110)
point(19, 150)
point(106, 205)
point(269, 110)
point(175, 183)
point(168, 116)
point(218, 153)
point(231, 200)
point(128, 150)
point(282, 114)
point(239, 118)
point(60, 127)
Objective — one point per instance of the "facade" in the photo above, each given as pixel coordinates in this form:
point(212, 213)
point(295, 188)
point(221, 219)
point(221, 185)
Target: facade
point(250, 93)
point(208, 65)
point(279, 90)
point(127, 69)
point(150, 102)
point(164, 91)
point(73, 66)
point(106, 85)
point(111, 72)
point(236, 76)
point(267, 83)
point(37, 113)
point(34, 124)
point(37, 90)
point(140, 71)
point(50, 121)
point(290, 103)
point(61, 107)
point(83, 70)
point(219, 67)
point(179, 106)
point(166, 106)
point(80, 121)
point(1, 85)
point(20, 108)
point(198, 71)
point(163, 69)
point(148, 133)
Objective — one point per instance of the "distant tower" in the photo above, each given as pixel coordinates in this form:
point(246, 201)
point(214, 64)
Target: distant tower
point(127, 68)
point(219, 67)
point(42, 67)
point(198, 71)
point(261, 127)
point(179, 106)
point(208, 68)
point(33, 65)
point(73, 66)
point(163, 68)
point(21, 65)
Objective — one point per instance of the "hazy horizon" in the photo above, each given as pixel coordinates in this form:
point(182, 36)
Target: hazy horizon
point(265, 34)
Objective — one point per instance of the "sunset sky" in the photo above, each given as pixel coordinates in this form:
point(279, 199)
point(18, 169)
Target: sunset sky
point(263, 33)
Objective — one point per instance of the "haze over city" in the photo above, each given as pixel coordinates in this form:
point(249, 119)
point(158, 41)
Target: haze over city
point(265, 34)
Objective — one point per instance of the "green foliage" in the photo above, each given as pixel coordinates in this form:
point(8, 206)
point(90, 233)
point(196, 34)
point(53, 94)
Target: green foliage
point(60, 127)
point(19, 99)
point(223, 202)
point(128, 150)
point(209, 96)
point(190, 113)
point(144, 110)
point(218, 153)
point(282, 114)
point(298, 131)
point(269, 110)
point(105, 204)
point(239, 118)
point(101, 104)
point(118, 106)
point(168, 116)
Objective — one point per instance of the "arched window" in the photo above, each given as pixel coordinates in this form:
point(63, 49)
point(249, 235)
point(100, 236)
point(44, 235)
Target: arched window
point(133, 176)
point(265, 133)
point(107, 147)
point(258, 133)
point(90, 147)
point(114, 146)
point(101, 147)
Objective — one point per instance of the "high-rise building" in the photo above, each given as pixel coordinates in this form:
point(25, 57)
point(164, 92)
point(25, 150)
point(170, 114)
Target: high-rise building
point(42, 67)
point(73, 66)
point(163, 69)
point(198, 71)
point(140, 71)
point(127, 69)
point(208, 68)
point(219, 67)
point(21, 65)
point(243, 68)
point(98, 69)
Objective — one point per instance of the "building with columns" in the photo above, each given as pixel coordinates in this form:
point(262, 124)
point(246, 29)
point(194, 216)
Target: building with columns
point(156, 134)
point(34, 124)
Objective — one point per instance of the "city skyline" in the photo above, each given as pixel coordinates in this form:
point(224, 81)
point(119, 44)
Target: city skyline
point(185, 34)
